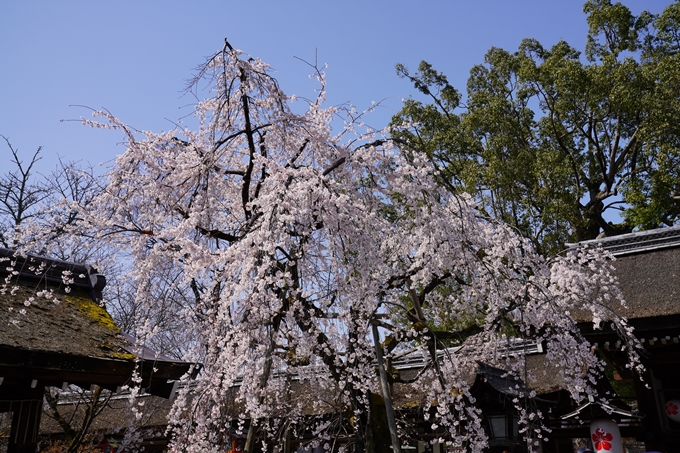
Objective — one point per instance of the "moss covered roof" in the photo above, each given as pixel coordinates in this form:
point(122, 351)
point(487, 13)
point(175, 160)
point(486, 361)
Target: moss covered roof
point(59, 322)
point(52, 333)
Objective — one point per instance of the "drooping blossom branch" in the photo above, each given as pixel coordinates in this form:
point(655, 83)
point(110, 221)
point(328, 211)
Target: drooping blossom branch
point(292, 243)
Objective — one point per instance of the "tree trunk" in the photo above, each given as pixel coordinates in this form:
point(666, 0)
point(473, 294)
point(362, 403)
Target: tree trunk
point(391, 422)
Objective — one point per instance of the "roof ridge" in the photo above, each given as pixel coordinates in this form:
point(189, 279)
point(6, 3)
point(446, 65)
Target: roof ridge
point(641, 241)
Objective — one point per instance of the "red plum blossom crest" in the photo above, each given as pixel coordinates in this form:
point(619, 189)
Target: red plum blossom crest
point(602, 440)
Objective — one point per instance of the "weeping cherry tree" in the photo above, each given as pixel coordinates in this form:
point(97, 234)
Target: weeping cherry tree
point(292, 244)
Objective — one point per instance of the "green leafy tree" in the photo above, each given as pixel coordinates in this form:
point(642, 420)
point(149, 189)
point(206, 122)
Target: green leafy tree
point(552, 140)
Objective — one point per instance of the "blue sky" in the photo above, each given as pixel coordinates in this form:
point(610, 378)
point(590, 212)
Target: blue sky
point(134, 57)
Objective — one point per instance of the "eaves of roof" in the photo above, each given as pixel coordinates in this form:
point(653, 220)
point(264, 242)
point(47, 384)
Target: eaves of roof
point(638, 242)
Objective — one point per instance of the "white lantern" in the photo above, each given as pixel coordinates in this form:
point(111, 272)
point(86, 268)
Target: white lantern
point(672, 409)
point(606, 436)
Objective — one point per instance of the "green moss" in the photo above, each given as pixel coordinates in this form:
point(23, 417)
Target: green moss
point(93, 311)
point(409, 405)
point(98, 314)
point(623, 389)
point(122, 355)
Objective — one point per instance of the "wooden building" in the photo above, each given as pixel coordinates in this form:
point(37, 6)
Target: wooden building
point(648, 268)
point(54, 331)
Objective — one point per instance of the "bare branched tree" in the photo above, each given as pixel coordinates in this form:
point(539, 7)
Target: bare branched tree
point(75, 418)
point(20, 195)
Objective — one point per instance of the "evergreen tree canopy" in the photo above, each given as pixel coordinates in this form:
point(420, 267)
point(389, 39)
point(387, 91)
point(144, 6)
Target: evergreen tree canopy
point(553, 140)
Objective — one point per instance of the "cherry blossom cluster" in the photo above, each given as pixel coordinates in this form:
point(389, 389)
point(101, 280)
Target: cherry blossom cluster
point(292, 241)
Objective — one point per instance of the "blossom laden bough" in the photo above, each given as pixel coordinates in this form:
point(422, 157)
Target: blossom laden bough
point(293, 244)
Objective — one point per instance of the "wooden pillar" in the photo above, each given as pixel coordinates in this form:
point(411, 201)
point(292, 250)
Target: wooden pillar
point(391, 422)
point(23, 436)
point(646, 394)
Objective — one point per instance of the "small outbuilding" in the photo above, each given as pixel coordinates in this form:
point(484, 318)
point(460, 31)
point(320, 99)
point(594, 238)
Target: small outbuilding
point(55, 332)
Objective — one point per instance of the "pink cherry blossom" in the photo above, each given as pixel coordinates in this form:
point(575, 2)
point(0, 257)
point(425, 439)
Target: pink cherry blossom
point(289, 240)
